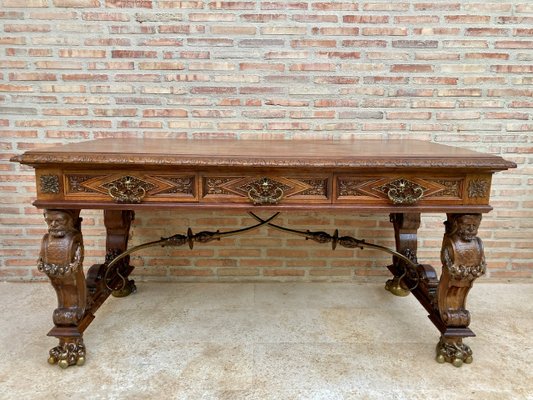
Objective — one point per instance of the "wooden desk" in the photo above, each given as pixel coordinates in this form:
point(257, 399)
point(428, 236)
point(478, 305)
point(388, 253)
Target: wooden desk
point(401, 177)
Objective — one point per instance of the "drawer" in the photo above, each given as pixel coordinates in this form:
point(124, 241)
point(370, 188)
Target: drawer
point(265, 189)
point(402, 190)
point(130, 187)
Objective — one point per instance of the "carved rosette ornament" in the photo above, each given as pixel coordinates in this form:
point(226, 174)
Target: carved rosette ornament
point(61, 259)
point(49, 184)
point(478, 188)
point(463, 261)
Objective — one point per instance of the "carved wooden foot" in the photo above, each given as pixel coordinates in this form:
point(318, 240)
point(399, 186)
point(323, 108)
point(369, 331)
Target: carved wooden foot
point(453, 350)
point(61, 259)
point(405, 235)
point(71, 351)
point(463, 261)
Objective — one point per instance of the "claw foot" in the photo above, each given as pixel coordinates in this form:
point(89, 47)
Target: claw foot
point(128, 289)
point(69, 352)
point(453, 350)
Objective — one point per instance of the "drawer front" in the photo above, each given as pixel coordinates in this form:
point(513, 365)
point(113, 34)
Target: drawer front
point(402, 190)
point(265, 189)
point(130, 187)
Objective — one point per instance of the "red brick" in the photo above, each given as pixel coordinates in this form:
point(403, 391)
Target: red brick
point(85, 77)
point(263, 18)
point(129, 29)
point(384, 31)
point(364, 43)
point(180, 4)
point(128, 3)
point(232, 5)
point(486, 32)
point(233, 30)
point(107, 42)
point(27, 3)
point(426, 44)
point(411, 68)
point(164, 113)
point(315, 18)
point(164, 65)
point(284, 5)
point(246, 66)
point(181, 29)
point(514, 44)
point(133, 54)
point(385, 7)
point(105, 16)
point(58, 65)
point(75, 53)
point(77, 3)
point(313, 67)
point(365, 19)
point(313, 43)
point(32, 76)
point(27, 28)
point(342, 55)
point(467, 19)
point(12, 40)
point(66, 111)
point(512, 69)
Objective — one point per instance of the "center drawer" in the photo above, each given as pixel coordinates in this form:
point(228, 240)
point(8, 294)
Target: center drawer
point(265, 189)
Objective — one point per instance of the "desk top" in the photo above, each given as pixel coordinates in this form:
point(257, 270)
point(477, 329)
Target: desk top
point(265, 153)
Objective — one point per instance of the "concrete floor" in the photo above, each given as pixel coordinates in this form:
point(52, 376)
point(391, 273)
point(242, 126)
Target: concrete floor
point(267, 341)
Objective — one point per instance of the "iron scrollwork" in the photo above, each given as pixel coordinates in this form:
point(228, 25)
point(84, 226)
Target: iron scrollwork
point(265, 191)
point(113, 266)
point(411, 265)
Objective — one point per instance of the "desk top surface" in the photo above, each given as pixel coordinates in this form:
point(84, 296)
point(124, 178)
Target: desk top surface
point(264, 153)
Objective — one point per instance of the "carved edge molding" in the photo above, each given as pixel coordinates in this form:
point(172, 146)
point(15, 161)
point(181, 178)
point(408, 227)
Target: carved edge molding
point(39, 158)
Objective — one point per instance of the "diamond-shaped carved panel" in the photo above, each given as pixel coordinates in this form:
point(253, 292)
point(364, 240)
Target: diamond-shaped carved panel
point(152, 186)
point(238, 187)
point(354, 188)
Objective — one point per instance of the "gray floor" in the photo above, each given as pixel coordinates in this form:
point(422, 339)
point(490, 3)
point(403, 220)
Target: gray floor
point(267, 341)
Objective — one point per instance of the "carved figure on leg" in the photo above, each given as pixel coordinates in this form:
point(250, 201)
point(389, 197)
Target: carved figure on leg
point(463, 261)
point(61, 259)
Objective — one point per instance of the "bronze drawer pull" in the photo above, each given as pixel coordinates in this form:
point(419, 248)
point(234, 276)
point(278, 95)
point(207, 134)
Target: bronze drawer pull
point(127, 190)
point(265, 191)
point(403, 191)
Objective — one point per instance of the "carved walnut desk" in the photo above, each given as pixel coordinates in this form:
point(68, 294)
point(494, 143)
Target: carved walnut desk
point(403, 178)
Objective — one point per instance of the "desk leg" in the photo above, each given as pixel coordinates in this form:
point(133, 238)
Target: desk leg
point(117, 225)
point(61, 259)
point(405, 235)
point(463, 261)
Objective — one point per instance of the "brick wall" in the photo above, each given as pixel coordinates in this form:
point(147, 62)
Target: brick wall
point(452, 72)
